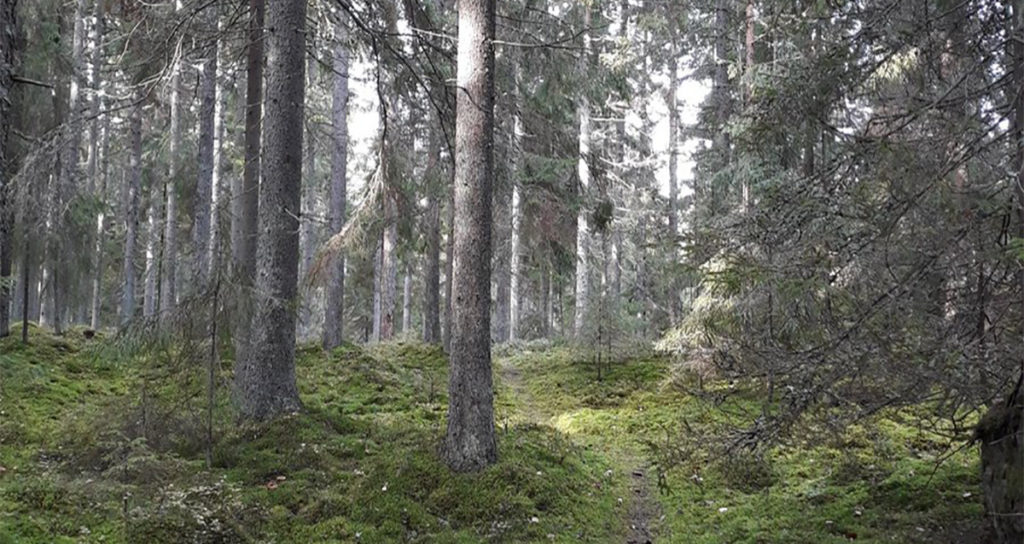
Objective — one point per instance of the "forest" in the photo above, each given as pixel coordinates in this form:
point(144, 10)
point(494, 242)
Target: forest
point(694, 271)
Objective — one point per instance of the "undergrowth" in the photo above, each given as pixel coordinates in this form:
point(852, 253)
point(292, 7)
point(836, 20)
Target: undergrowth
point(95, 449)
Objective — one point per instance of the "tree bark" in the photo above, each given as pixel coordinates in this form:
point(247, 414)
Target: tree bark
point(449, 253)
point(432, 269)
point(8, 60)
point(470, 442)
point(266, 378)
point(150, 296)
point(407, 299)
point(131, 214)
point(204, 182)
point(583, 171)
point(245, 191)
point(169, 269)
point(334, 318)
point(101, 230)
point(308, 238)
point(377, 282)
point(673, 129)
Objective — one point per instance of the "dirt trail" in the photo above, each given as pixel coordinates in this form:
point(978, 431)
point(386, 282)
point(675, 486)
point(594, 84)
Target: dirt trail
point(643, 508)
point(642, 511)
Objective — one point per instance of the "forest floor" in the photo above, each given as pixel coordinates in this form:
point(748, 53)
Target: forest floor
point(106, 442)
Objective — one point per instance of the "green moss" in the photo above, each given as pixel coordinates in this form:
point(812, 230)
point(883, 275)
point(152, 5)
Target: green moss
point(361, 464)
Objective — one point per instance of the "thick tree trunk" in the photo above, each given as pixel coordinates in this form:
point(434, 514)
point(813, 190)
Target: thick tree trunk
point(204, 182)
point(470, 443)
point(131, 214)
point(334, 317)
point(169, 269)
point(245, 192)
point(265, 380)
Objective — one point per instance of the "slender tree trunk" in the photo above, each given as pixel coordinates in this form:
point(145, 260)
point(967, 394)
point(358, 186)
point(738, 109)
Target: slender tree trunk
point(720, 83)
point(265, 380)
point(245, 193)
point(26, 288)
point(673, 134)
point(307, 226)
point(150, 296)
point(470, 443)
point(204, 182)
point(449, 253)
point(131, 215)
point(334, 319)
point(377, 282)
point(101, 230)
point(389, 268)
point(582, 215)
point(407, 299)
point(432, 276)
point(515, 288)
point(169, 269)
point(220, 189)
point(97, 167)
point(502, 265)
point(8, 61)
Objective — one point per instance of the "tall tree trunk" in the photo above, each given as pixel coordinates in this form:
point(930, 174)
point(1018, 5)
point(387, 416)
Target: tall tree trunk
point(449, 253)
point(8, 61)
point(131, 213)
point(169, 269)
point(220, 189)
point(334, 318)
point(470, 443)
point(101, 229)
point(432, 269)
point(583, 169)
point(245, 193)
point(204, 182)
point(266, 378)
point(307, 226)
point(673, 132)
point(502, 265)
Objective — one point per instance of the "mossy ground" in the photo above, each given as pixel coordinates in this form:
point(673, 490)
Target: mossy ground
point(98, 449)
